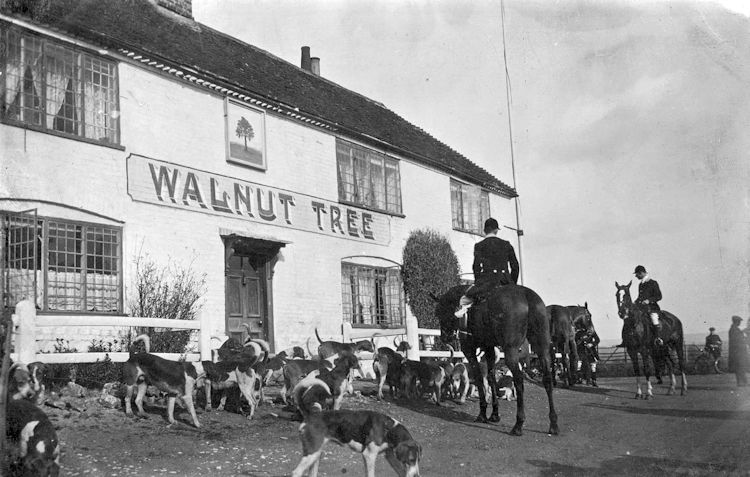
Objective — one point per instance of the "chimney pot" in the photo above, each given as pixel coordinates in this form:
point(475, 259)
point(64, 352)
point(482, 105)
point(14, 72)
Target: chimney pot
point(315, 66)
point(305, 65)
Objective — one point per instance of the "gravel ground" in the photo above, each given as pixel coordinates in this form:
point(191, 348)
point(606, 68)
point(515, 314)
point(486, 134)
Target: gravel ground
point(604, 431)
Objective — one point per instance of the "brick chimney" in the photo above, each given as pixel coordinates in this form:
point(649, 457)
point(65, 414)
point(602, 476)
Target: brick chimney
point(306, 62)
point(180, 7)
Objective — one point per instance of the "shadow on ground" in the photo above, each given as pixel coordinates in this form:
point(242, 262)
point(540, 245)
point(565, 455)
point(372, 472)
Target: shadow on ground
point(635, 465)
point(684, 413)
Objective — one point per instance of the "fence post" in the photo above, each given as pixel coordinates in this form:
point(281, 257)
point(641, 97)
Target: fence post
point(205, 336)
point(412, 337)
point(346, 332)
point(25, 342)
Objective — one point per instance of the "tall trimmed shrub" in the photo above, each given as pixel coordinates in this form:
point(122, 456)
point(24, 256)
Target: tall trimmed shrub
point(429, 266)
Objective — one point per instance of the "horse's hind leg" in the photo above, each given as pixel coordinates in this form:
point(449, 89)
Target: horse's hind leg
point(490, 355)
point(477, 373)
point(547, 381)
point(511, 360)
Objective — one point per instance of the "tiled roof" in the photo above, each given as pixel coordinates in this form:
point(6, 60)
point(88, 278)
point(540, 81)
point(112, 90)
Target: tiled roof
point(142, 28)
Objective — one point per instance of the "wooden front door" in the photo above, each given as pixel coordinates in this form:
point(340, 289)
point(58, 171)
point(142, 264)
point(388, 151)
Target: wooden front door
point(246, 297)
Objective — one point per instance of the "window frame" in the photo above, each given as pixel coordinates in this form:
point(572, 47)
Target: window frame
point(43, 263)
point(84, 65)
point(348, 191)
point(458, 210)
point(389, 296)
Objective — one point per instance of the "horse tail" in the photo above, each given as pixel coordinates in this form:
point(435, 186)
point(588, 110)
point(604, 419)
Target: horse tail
point(538, 331)
point(318, 336)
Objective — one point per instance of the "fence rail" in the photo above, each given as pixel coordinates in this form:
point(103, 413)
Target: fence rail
point(26, 323)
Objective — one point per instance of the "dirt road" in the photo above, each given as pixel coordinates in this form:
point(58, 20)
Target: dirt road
point(604, 431)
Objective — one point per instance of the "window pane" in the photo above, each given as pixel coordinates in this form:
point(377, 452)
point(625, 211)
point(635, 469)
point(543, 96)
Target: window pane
point(377, 181)
point(63, 95)
point(101, 273)
point(371, 295)
point(48, 84)
point(64, 277)
point(484, 203)
point(367, 178)
point(23, 79)
point(392, 186)
point(100, 87)
point(456, 205)
point(362, 191)
point(345, 172)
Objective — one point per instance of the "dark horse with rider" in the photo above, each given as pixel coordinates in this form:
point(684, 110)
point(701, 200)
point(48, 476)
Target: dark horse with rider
point(650, 333)
point(495, 311)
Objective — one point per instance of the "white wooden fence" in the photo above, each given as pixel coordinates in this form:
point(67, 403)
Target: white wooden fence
point(26, 323)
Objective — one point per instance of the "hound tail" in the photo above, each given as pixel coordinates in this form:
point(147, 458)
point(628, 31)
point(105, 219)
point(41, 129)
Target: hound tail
point(318, 336)
point(307, 345)
point(146, 342)
point(261, 348)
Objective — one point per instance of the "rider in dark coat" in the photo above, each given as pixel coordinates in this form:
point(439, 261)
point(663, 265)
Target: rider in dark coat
point(738, 358)
point(648, 295)
point(495, 264)
point(713, 343)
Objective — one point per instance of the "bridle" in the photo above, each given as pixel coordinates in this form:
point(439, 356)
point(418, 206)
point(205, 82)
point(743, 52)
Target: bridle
point(623, 305)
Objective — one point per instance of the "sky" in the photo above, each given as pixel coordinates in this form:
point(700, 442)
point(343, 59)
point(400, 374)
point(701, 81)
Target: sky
point(628, 119)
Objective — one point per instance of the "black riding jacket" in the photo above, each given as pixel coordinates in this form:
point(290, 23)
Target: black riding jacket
point(495, 262)
point(649, 290)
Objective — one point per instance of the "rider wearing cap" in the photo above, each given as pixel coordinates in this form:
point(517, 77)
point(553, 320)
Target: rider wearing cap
point(713, 344)
point(648, 295)
point(495, 264)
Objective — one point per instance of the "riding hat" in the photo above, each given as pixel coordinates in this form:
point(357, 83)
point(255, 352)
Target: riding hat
point(490, 225)
point(712, 329)
point(736, 319)
point(639, 268)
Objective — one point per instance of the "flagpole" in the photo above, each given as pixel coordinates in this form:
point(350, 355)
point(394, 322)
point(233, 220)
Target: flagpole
point(518, 229)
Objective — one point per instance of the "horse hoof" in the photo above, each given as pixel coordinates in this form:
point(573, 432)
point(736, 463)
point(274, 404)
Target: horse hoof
point(638, 396)
point(516, 431)
point(553, 430)
point(648, 397)
point(494, 418)
point(482, 419)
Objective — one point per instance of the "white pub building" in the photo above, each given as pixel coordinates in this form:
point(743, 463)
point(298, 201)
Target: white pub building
point(128, 130)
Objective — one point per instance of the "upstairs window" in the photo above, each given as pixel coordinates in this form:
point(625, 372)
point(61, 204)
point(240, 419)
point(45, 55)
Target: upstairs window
point(57, 88)
point(368, 178)
point(372, 296)
point(470, 207)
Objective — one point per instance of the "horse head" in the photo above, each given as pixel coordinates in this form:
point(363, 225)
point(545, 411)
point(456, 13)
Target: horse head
point(446, 306)
point(582, 317)
point(624, 300)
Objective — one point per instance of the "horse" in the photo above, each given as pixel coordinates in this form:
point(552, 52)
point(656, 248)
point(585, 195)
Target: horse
point(638, 339)
point(563, 342)
point(504, 318)
point(581, 317)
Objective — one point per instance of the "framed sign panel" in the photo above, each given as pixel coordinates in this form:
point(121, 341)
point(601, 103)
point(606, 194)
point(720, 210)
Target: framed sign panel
point(245, 135)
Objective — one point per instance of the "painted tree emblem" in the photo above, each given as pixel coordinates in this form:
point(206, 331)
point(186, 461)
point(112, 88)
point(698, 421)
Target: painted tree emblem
point(245, 130)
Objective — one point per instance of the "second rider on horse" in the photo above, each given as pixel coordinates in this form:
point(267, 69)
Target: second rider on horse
point(648, 296)
point(495, 264)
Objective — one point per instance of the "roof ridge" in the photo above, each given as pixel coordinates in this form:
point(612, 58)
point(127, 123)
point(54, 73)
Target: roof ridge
point(294, 65)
